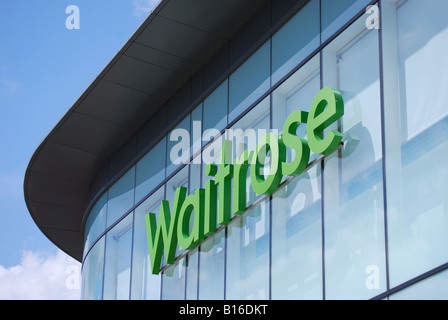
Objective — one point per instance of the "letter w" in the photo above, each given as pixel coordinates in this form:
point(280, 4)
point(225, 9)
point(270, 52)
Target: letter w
point(164, 235)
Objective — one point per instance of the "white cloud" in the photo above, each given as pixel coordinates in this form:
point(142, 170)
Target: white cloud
point(144, 7)
point(41, 276)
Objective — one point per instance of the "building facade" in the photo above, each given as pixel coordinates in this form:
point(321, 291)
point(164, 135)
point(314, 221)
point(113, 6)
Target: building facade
point(367, 221)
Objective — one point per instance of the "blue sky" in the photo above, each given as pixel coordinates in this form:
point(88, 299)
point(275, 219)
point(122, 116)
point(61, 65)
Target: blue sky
point(44, 68)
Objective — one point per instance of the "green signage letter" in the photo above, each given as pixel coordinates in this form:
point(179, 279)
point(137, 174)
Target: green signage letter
point(299, 145)
point(164, 235)
point(321, 117)
point(260, 183)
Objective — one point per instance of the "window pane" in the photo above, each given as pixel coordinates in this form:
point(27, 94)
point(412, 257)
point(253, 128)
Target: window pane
point(192, 274)
point(296, 93)
point(211, 273)
point(150, 170)
point(178, 146)
point(121, 197)
point(248, 255)
point(297, 239)
point(296, 40)
point(335, 14)
point(433, 288)
point(173, 283)
point(245, 135)
point(211, 154)
point(92, 273)
point(416, 136)
point(145, 285)
point(249, 81)
point(179, 180)
point(215, 112)
point(196, 130)
point(96, 222)
point(117, 272)
point(353, 184)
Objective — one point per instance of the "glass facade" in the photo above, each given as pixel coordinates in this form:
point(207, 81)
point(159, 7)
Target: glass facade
point(367, 222)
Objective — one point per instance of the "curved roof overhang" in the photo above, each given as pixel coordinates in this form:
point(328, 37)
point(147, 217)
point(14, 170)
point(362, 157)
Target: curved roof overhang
point(174, 42)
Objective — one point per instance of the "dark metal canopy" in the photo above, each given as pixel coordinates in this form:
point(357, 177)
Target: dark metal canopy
point(175, 41)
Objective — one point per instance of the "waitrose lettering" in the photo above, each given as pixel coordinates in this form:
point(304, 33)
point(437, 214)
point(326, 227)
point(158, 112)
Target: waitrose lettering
point(212, 206)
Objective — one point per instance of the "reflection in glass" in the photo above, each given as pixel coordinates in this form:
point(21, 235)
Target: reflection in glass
point(195, 173)
point(245, 135)
point(196, 130)
point(178, 146)
point(150, 170)
point(144, 285)
point(247, 275)
point(173, 282)
point(92, 273)
point(180, 179)
point(96, 222)
point(297, 239)
point(432, 288)
point(215, 112)
point(117, 271)
point(335, 14)
point(296, 93)
point(211, 273)
point(249, 81)
point(290, 47)
point(211, 154)
point(121, 197)
point(192, 274)
point(416, 136)
point(353, 185)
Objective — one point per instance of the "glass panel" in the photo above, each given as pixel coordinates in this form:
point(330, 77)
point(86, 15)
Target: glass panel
point(192, 274)
point(335, 14)
point(296, 40)
point(416, 135)
point(178, 146)
point(245, 135)
point(195, 173)
point(297, 239)
point(211, 154)
point(117, 272)
point(150, 170)
point(196, 130)
point(92, 273)
point(249, 81)
point(248, 255)
point(179, 180)
point(211, 273)
point(433, 288)
point(96, 222)
point(145, 285)
point(215, 112)
point(173, 283)
point(296, 93)
point(121, 197)
point(353, 184)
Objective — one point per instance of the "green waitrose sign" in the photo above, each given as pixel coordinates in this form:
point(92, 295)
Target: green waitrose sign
point(173, 227)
